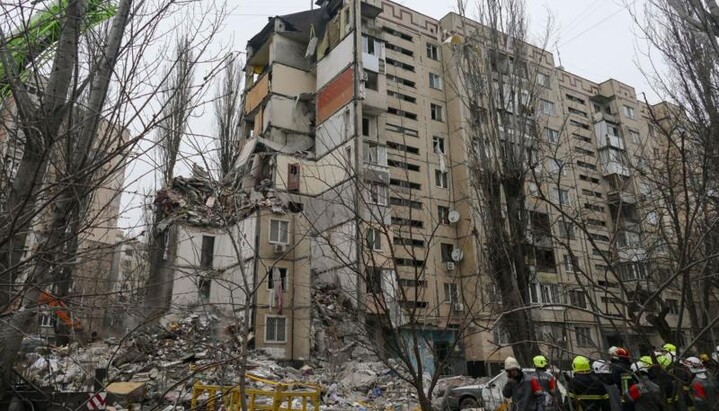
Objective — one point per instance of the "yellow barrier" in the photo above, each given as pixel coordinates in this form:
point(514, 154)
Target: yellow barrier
point(229, 397)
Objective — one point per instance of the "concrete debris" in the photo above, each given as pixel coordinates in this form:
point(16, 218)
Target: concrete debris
point(159, 366)
point(199, 200)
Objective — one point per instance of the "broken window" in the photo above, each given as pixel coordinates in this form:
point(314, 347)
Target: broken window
point(279, 231)
point(275, 328)
point(277, 276)
point(371, 80)
point(446, 250)
point(545, 259)
point(438, 144)
point(203, 287)
point(373, 280)
point(207, 253)
point(293, 177)
point(443, 214)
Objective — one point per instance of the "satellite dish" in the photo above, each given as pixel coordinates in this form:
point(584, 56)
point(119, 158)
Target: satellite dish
point(453, 216)
point(457, 254)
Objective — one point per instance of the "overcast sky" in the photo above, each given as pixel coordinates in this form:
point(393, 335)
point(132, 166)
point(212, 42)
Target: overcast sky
point(595, 39)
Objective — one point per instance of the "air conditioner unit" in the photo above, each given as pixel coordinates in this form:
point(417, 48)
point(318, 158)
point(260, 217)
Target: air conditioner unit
point(279, 248)
point(458, 307)
point(449, 265)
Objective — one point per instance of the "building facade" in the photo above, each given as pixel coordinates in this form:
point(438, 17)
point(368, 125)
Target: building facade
point(354, 120)
point(91, 285)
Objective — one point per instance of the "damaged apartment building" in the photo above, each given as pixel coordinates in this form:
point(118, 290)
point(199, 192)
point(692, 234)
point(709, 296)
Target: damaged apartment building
point(353, 173)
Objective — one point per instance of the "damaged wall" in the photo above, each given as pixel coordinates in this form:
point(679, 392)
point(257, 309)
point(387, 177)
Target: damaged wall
point(337, 129)
point(226, 289)
point(289, 52)
point(334, 63)
point(287, 113)
point(315, 177)
point(290, 81)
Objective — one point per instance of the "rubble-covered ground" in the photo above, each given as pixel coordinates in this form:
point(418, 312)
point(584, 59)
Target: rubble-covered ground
point(169, 360)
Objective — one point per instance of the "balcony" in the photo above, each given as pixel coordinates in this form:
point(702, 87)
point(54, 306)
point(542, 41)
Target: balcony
point(371, 8)
point(610, 141)
point(603, 116)
point(623, 196)
point(257, 93)
point(615, 167)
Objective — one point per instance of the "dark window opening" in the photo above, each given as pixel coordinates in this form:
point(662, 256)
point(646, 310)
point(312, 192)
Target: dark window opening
point(208, 249)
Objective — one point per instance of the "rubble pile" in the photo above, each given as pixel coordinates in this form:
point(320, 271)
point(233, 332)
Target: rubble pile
point(167, 361)
point(200, 201)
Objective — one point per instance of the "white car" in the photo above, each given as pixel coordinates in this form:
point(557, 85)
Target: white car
point(488, 396)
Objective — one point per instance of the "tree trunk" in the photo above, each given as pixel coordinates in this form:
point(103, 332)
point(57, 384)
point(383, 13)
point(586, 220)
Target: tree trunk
point(157, 282)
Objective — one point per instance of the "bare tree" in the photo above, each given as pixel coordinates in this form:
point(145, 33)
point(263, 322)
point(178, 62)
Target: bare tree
point(228, 111)
point(69, 111)
point(497, 83)
point(176, 109)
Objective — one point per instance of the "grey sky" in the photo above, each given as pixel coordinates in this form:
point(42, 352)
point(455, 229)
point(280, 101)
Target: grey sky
point(596, 39)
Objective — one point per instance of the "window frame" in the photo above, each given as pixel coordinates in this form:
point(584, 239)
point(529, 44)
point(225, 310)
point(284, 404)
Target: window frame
point(374, 239)
point(437, 84)
point(283, 279)
point(629, 112)
point(451, 293)
point(441, 179)
point(586, 339)
point(546, 82)
point(546, 105)
point(267, 327)
point(443, 219)
point(432, 51)
point(375, 197)
point(438, 145)
point(287, 232)
point(575, 300)
point(554, 139)
point(436, 112)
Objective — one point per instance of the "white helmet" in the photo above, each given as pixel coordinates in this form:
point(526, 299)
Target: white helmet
point(639, 366)
point(695, 365)
point(601, 367)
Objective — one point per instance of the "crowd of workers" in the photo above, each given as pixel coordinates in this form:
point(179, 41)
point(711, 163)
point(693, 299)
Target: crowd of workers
point(657, 382)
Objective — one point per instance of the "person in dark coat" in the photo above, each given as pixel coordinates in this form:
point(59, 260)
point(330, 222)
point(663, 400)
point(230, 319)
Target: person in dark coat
point(645, 394)
point(523, 389)
point(586, 390)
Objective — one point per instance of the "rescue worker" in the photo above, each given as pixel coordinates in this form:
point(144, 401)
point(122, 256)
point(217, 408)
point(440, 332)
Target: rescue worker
point(546, 381)
point(523, 389)
point(679, 373)
point(645, 394)
point(702, 390)
point(660, 376)
point(622, 376)
point(711, 366)
point(586, 391)
point(603, 371)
